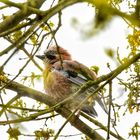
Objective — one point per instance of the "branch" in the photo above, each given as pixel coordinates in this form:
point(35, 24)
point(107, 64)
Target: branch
point(21, 108)
point(16, 28)
point(17, 17)
point(54, 10)
point(114, 11)
point(32, 117)
point(26, 5)
point(110, 76)
point(137, 9)
point(39, 96)
point(47, 15)
point(13, 20)
point(8, 104)
point(75, 121)
point(109, 112)
point(101, 126)
point(34, 62)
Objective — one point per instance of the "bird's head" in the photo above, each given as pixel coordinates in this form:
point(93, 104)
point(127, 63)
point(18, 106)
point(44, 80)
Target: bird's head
point(54, 54)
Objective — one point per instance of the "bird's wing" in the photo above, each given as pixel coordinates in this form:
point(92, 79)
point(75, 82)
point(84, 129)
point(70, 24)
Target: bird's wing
point(75, 71)
point(79, 74)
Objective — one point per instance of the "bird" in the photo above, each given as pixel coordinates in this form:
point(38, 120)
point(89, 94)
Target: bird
point(63, 76)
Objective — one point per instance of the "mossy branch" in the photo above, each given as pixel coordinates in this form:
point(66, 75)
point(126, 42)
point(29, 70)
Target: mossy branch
point(75, 121)
point(43, 98)
point(17, 17)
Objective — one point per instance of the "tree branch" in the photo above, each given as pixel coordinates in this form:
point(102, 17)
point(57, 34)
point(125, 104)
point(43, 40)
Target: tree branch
point(39, 96)
point(17, 17)
point(32, 117)
point(101, 126)
point(75, 121)
point(13, 20)
point(8, 104)
point(110, 76)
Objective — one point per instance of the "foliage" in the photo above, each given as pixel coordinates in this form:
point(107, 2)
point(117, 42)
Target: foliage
point(135, 131)
point(44, 134)
point(32, 28)
point(14, 133)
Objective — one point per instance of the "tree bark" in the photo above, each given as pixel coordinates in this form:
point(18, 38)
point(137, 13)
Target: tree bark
point(43, 98)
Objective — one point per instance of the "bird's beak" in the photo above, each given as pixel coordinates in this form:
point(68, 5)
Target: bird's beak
point(42, 57)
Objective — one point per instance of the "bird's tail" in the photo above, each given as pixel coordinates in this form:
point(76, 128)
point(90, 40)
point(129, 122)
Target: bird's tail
point(99, 99)
point(90, 111)
point(101, 103)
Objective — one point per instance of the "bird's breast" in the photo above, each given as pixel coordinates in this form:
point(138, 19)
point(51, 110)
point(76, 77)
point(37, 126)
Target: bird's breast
point(57, 85)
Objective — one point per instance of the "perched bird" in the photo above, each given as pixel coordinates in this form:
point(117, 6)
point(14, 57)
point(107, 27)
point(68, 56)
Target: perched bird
point(64, 76)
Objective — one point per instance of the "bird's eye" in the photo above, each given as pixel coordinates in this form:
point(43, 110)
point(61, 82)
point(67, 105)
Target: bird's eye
point(50, 55)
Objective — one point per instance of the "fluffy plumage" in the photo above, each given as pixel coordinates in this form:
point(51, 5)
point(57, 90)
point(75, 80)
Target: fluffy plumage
point(63, 77)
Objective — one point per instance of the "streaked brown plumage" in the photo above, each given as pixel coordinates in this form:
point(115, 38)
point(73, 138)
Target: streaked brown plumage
point(63, 77)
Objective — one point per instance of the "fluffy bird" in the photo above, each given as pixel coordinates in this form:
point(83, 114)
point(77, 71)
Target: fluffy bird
point(64, 76)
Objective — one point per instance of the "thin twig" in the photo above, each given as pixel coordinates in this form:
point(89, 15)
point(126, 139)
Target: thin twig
point(101, 126)
point(109, 112)
point(137, 9)
point(16, 114)
point(35, 63)
point(53, 36)
point(7, 119)
point(8, 104)
point(21, 108)
point(118, 71)
point(3, 7)
point(107, 77)
point(52, 3)
point(20, 71)
point(30, 118)
point(17, 27)
point(72, 135)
